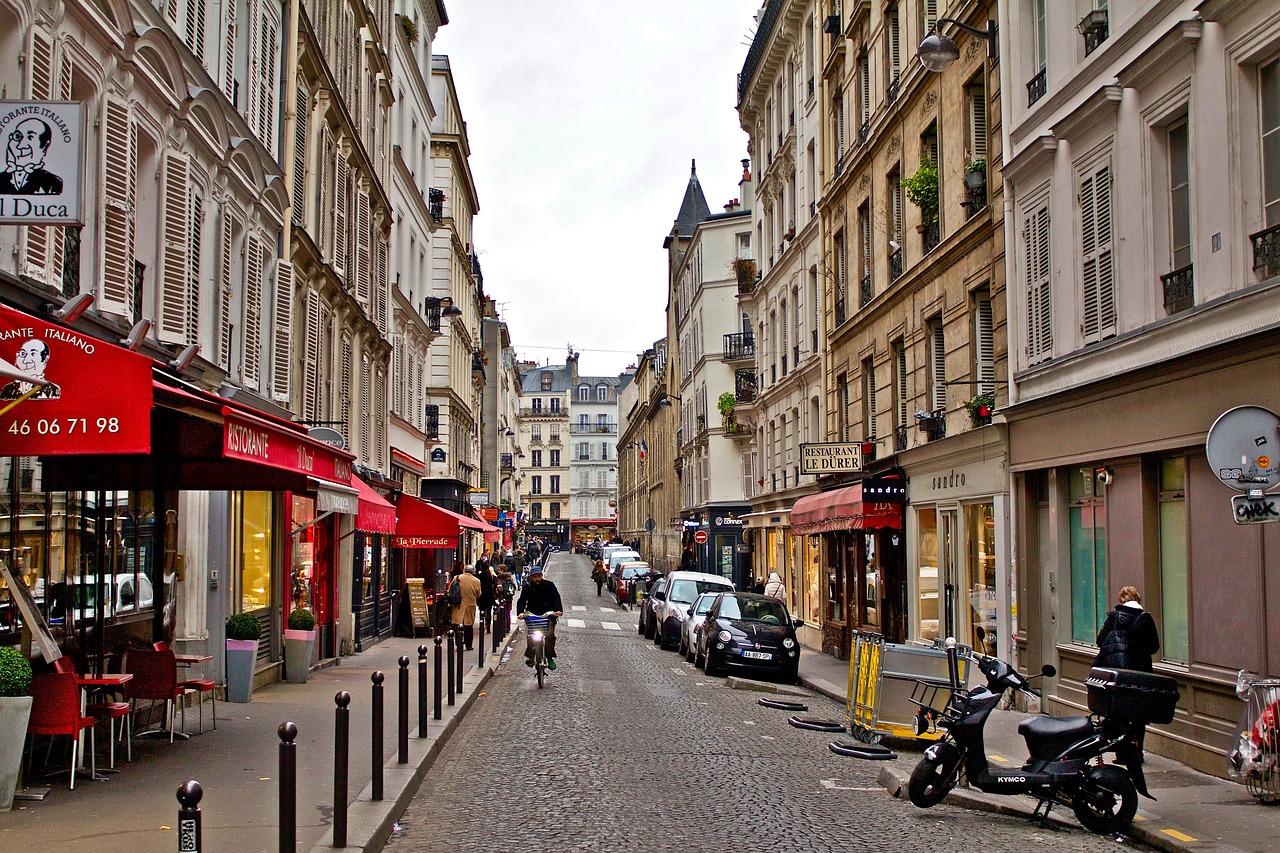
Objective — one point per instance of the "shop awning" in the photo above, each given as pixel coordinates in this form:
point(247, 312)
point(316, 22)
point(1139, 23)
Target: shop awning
point(376, 514)
point(424, 525)
point(769, 518)
point(842, 509)
point(335, 497)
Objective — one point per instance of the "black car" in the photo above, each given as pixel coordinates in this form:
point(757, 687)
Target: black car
point(647, 620)
point(748, 631)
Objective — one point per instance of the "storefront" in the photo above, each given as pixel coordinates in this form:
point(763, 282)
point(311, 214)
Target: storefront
point(553, 532)
point(712, 536)
point(422, 528)
point(588, 530)
point(377, 581)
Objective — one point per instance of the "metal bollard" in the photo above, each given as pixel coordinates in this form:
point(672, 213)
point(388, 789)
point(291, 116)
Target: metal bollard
point(402, 736)
point(288, 732)
point(438, 671)
point(458, 669)
point(376, 740)
point(496, 621)
point(189, 795)
point(449, 654)
point(480, 645)
point(341, 758)
point(422, 691)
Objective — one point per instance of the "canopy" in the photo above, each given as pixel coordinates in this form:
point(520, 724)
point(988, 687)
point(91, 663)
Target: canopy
point(375, 514)
point(420, 524)
point(842, 509)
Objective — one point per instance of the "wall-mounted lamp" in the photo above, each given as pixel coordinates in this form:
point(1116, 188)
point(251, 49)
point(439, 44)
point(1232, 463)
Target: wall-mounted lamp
point(136, 335)
point(73, 307)
point(183, 360)
point(508, 433)
point(667, 398)
point(937, 51)
point(445, 304)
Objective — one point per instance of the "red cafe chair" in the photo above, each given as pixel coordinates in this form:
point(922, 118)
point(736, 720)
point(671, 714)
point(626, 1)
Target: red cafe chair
point(155, 678)
point(197, 685)
point(55, 710)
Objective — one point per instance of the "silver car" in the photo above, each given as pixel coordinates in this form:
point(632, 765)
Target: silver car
point(672, 603)
point(697, 613)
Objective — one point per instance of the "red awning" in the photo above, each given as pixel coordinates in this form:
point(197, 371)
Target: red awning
point(376, 514)
point(420, 524)
point(842, 509)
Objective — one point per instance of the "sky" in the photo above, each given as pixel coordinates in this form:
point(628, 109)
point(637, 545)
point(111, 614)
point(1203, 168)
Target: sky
point(583, 118)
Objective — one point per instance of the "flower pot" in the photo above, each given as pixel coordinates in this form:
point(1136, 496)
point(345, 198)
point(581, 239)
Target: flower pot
point(976, 179)
point(242, 658)
point(299, 646)
point(15, 711)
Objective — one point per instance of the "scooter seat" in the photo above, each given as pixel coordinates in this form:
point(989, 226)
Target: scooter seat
point(1047, 737)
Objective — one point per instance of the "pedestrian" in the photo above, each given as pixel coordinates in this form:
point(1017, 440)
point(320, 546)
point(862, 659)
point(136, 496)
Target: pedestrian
point(687, 559)
point(599, 576)
point(775, 587)
point(1128, 637)
point(487, 588)
point(464, 614)
point(758, 587)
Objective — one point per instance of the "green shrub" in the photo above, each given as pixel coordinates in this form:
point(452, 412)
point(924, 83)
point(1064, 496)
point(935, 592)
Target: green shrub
point(922, 191)
point(15, 672)
point(302, 619)
point(242, 626)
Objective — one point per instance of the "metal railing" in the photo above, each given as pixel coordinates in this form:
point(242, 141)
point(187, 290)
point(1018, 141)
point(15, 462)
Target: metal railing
point(840, 310)
point(931, 237)
point(744, 385)
point(865, 291)
point(1266, 247)
point(739, 345)
point(1095, 35)
point(891, 93)
point(1179, 288)
point(895, 264)
point(432, 417)
point(1036, 87)
point(596, 428)
point(435, 204)
point(899, 439)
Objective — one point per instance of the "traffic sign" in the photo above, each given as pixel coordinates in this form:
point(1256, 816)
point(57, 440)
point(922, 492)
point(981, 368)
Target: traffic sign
point(1255, 509)
point(1241, 448)
point(700, 537)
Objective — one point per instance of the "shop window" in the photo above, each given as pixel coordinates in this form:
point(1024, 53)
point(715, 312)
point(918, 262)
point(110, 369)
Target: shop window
point(926, 627)
point(1173, 559)
point(869, 580)
point(980, 529)
point(811, 553)
point(256, 545)
point(302, 564)
point(1087, 520)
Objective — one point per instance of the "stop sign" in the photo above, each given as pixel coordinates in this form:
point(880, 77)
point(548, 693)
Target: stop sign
point(700, 537)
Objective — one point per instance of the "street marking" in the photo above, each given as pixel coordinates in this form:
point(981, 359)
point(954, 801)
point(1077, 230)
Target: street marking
point(999, 758)
point(1173, 833)
point(767, 737)
point(830, 785)
point(611, 626)
point(576, 623)
point(578, 607)
point(677, 670)
point(748, 722)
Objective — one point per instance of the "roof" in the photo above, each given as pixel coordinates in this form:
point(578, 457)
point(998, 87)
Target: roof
point(531, 382)
point(693, 209)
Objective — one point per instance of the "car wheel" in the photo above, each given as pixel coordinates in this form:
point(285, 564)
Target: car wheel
point(712, 667)
point(690, 653)
point(683, 648)
point(699, 659)
point(648, 630)
point(640, 624)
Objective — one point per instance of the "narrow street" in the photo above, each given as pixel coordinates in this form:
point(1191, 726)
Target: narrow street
point(630, 748)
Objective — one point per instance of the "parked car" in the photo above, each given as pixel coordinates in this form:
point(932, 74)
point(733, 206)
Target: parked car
point(670, 607)
point(689, 628)
point(625, 575)
point(744, 630)
point(646, 609)
point(624, 556)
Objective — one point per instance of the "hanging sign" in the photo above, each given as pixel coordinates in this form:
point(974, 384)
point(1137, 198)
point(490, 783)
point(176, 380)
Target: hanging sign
point(43, 161)
point(830, 458)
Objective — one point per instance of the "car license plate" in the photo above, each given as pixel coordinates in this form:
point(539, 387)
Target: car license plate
point(758, 655)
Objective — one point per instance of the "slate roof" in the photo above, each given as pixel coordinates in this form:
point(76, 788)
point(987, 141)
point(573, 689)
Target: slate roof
point(694, 208)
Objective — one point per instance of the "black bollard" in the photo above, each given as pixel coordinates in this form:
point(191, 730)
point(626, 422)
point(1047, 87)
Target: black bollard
point(452, 660)
point(422, 691)
point(288, 732)
point(189, 795)
point(497, 626)
point(458, 669)
point(376, 731)
point(437, 673)
point(402, 736)
point(480, 646)
point(341, 757)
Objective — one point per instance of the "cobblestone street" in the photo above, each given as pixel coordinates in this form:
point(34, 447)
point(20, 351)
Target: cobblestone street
point(630, 748)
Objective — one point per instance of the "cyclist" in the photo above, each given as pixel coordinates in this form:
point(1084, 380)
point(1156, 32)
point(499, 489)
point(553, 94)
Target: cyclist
point(540, 596)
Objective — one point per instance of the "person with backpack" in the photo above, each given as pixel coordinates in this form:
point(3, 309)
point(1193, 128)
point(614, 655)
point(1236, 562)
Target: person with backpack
point(1128, 637)
point(464, 591)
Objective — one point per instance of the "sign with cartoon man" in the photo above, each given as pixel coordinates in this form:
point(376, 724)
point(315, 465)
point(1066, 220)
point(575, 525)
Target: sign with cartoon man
point(43, 160)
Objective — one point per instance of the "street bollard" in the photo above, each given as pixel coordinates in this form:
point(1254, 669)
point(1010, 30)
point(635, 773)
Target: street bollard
point(496, 621)
point(341, 758)
point(402, 736)
point(449, 654)
point(288, 732)
point(480, 646)
point(422, 691)
point(189, 795)
point(458, 669)
point(376, 730)
point(438, 670)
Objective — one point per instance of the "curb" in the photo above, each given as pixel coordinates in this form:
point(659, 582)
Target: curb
point(369, 822)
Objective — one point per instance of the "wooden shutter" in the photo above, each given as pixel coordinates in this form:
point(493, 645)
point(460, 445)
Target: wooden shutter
point(380, 417)
point(325, 381)
point(171, 12)
point(900, 362)
point(984, 347)
point(895, 207)
point(344, 389)
point(895, 45)
point(195, 235)
point(342, 187)
point(977, 104)
point(311, 358)
point(194, 31)
point(120, 163)
point(252, 363)
point(930, 10)
point(253, 65)
point(864, 217)
point(399, 375)
point(840, 122)
point(844, 407)
point(58, 235)
point(1039, 298)
point(870, 405)
point(301, 130)
point(282, 320)
point(39, 238)
point(266, 84)
point(325, 189)
point(226, 326)
point(380, 287)
point(938, 366)
point(229, 52)
point(366, 404)
point(363, 233)
point(174, 246)
point(865, 81)
point(1098, 284)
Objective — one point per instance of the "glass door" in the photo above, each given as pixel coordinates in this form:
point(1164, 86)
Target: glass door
point(948, 569)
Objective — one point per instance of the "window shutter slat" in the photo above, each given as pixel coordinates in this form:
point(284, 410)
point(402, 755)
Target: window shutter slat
point(301, 128)
point(117, 238)
point(362, 247)
point(342, 187)
point(40, 237)
point(252, 312)
point(311, 358)
point(229, 52)
point(380, 290)
point(195, 232)
point(173, 275)
point(939, 367)
point(225, 324)
point(984, 335)
point(344, 389)
point(282, 319)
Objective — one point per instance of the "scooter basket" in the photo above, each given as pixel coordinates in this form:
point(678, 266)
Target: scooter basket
point(1130, 696)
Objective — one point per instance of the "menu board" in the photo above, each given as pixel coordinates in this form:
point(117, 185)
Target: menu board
point(417, 602)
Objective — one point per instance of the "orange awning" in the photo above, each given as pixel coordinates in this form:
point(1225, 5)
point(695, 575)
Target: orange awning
point(842, 509)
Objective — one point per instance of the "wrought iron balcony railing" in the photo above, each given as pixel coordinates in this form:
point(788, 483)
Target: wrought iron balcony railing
point(931, 237)
point(895, 264)
point(891, 93)
point(899, 439)
point(1266, 247)
point(1036, 87)
point(865, 291)
point(1179, 289)
point(744, 385)
point(596, 428)
point(435, 204)
point(740, 345)
point(505, 462)
point(840, 310)
point(432, 427)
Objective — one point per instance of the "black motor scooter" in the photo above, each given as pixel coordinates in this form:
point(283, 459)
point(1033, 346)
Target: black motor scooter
point(1066, 763)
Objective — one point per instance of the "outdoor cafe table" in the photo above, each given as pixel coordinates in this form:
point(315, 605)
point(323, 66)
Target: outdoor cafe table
point(87, 684)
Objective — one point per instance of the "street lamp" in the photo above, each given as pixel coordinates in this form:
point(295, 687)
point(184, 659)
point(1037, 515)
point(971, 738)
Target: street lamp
point(937, 51)
point(444, 303)
point(667, 398)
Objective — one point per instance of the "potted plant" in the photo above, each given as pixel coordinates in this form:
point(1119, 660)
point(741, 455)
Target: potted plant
point(243, 632)
point(975, 174)
point(922, 191)
point(980, 409)
point(726, 404)
point(15, 711)
point(410, 28)
point(299, 645)
point(744, 269)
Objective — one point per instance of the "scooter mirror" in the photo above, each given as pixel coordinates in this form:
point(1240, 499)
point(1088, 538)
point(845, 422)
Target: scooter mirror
point(1048, 670)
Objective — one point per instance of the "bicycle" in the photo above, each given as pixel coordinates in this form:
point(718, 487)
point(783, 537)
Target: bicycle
point(537, 627)
point(1256, 757)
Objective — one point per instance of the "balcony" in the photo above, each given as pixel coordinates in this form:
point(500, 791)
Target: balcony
point(899, 439)
point(864, 131)
point(744, 386)
point(840, 310)
point(1095, 29)
point(865, 290)
point(1179, 289)
point(1266, 248)
point(891, 93)
point(505, 462)
point(432, 421)
point(1036, 87)
point(739, 346)
point(529, 412)
point(435, 204)
point(895, 264)
point(596, 428)
point(477, 363)
point(931, 236)
point(748, 274)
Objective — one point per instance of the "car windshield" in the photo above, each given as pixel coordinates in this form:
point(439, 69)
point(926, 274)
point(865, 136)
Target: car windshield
point(633, 572)
point(704, 604)
point(685, 590)
point(766, 610)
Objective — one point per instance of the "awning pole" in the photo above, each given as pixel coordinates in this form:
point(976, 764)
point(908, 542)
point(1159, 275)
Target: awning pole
point(319, 518)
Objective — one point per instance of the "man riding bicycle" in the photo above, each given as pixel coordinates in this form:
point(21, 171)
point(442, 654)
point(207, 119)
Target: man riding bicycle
point(540, 596)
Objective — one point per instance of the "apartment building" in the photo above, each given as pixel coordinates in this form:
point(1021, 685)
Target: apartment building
point(544, 432)
point(593, 459)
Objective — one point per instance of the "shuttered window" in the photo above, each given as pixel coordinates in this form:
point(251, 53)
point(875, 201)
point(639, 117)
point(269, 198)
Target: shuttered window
point(976, 108)
point(864, 83)
point(363, 234)
point(984, 355)
point(311, 361)
point(864, 226)
point(900, 383)
point(1098, 315)
point(894, 44)
point(252, 362)
point(266, 82)
point(937, 366)
point(929, 13)
point(380, 288)
point(379, 418)
point(344, 389)
point(118, 181)
point(1035, 236)
point(40, 239)
point(282, 332)
point(176, 242)
point(323, 221)
point(366, 405)
point(325, 406)
point(301, 130)
point(195, 238)
point(895, 205)
point(229, 52)
point(844, 407)
point(838, 118)
point(226, 271)
point(193, 33)
point(869, 399)
point(342, 187)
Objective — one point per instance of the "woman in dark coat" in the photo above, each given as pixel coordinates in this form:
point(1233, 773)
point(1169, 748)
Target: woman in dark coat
point(1128, 638)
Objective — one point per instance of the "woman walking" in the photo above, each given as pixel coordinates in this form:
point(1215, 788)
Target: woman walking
point(599, 575)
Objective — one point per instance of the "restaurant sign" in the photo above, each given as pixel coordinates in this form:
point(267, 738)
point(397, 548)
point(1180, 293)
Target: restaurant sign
point(43, 162)
point(248, 438)
point(423, 541)
point(830, 458)
point(96, 397)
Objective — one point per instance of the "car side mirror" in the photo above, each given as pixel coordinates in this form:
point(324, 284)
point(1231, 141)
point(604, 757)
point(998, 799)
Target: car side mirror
point(689, 611)
point(660, 596)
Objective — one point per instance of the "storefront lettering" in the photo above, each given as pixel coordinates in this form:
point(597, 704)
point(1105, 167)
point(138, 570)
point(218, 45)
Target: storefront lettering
point(63, 335)
point(23, 207)
point(342, 470)
point(949, 481)
point(241, 439)
point(306, 459)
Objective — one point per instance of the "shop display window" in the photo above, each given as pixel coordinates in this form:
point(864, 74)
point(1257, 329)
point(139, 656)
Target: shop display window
point(303, 563)
point(811, 560)
point(256, 547)
point(927, 612)
point(870, 579)
point(1087, 519)
point(980, 529)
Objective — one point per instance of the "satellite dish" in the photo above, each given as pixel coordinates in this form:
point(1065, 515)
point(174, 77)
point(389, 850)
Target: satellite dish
point(1243, 448)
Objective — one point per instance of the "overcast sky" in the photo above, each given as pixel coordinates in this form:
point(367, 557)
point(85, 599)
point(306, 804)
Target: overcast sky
point(583, 118)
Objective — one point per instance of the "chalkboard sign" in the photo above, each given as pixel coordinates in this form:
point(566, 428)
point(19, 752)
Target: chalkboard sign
point(417, 602)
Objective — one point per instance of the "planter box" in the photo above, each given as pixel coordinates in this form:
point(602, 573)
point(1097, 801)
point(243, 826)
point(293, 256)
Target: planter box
point(242, 658)
point(299, 647)
point(15, 711)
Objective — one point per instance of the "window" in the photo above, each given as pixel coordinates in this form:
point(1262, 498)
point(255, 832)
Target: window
point(895, 205)
point(868, 400)
point(555, 404)
point(866, 291)
point(602, 393)
point(555, 509)
point(1087, 519)
point(602, 423)
point(928, 16)
point(975, 102)
point(1269, 86)
point(984, 365)
point(604, 450)
point(555, 454)
point(535, 432)
point(1098, 283)
point(1180, 194)
point(937, 366)
point(1173, 558)
point(546, 382)
point(1039, 44)
point(537, 485)
point(842, 273)
point(536, 510)
point(535, 458)
point(554, 438)
point(555, 484)
point(536, 405)
point(893, 51)
point(899, 383)
point(1035, 237)
point(584, 422)
point(584, 393)
point(837, 123)
point(864, 95)
point(584, 450)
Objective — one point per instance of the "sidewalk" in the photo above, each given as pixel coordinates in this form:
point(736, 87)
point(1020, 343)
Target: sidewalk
point(1192, 813)
point(237, 765)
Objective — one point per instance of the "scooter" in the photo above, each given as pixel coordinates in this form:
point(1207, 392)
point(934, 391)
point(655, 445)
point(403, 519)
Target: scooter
point(1066, 763)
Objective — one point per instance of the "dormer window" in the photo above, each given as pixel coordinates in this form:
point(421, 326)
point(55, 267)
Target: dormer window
point(584, 393)
point(546, 382)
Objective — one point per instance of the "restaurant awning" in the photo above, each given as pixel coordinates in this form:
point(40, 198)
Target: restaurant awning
point(842, 509)
point(335, 497)
point(376, 514)
point(424, 525)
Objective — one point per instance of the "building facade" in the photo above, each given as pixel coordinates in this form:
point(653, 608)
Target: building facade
point(544, 432)
point(593, 459)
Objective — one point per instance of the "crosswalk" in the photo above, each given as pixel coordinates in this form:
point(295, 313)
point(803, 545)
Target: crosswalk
point(579, 608)
point(582, 623)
